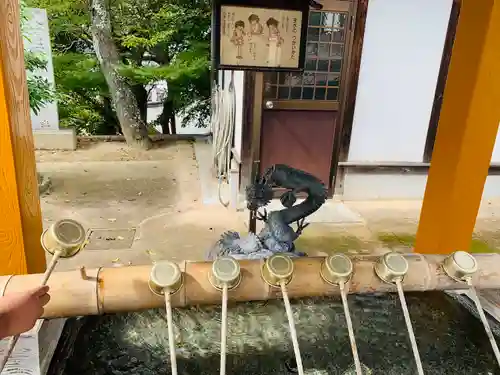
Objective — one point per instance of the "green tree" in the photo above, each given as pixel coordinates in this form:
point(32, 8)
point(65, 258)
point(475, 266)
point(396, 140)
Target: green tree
point(84, 92)
point(85, 103)
point(170, 41)
point(133, 125)
point(156, 40)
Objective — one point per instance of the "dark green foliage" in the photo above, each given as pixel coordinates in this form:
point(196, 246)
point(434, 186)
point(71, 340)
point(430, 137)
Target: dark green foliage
point(85, 103)
point(40, 92)
point(158, 40)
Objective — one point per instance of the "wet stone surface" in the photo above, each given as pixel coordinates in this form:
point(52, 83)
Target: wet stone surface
point(451, 340)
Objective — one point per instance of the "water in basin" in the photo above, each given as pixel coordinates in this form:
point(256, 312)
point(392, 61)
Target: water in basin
point(451, 340)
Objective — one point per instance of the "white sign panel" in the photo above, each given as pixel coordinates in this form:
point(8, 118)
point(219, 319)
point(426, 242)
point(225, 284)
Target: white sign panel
point(38, 41)
point(25, 359)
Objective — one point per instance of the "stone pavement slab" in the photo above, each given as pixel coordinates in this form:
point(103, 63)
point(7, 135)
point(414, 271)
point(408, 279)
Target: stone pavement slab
point(160, 194)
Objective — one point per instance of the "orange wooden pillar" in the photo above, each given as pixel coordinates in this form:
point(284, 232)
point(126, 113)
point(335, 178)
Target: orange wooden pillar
point(20, 215)
point(466, 133)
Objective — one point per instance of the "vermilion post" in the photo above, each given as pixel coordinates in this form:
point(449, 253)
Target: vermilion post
point(466, 133)
point(20, 214)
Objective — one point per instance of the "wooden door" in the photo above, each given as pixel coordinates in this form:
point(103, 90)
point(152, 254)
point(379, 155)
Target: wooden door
point(301, 110)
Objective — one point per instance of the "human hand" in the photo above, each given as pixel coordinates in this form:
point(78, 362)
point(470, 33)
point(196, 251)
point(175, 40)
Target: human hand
point(20, 311)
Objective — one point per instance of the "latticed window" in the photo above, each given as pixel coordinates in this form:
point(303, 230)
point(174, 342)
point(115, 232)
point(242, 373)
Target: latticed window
point(326, 38)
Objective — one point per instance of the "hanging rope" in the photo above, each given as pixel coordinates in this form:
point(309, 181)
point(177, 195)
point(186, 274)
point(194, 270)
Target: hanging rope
point(222, 124)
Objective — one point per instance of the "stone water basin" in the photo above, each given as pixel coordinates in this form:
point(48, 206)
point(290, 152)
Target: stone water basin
point(451, 340)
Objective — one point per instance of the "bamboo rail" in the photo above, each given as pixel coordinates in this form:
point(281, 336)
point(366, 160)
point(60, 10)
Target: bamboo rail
point(124, 289)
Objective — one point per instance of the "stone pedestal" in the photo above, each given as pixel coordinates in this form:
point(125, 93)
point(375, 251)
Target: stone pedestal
point(60, 139)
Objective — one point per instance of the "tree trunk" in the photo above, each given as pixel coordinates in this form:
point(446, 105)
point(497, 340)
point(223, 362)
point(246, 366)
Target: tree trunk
point(172, 123)
point(141, 95)
point(109, 116)
point(166, 117)
point(164, 128)
point(124, 101)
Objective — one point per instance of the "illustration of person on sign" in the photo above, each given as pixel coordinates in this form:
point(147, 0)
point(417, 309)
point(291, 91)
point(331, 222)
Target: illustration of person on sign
point(274, 32)
point(256, 27)
point(238, 38)
point(274, 41)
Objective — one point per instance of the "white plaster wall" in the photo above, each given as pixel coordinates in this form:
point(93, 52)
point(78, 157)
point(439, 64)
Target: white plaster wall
point(399, 70)
point(157, 92)
point(38, 41)
point(400, 64)
point(368, 186)
point(191, 128)
point(153, 112)
point(239, 77)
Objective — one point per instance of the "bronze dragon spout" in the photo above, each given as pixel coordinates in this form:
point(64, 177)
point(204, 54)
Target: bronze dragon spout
point(277, 236)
